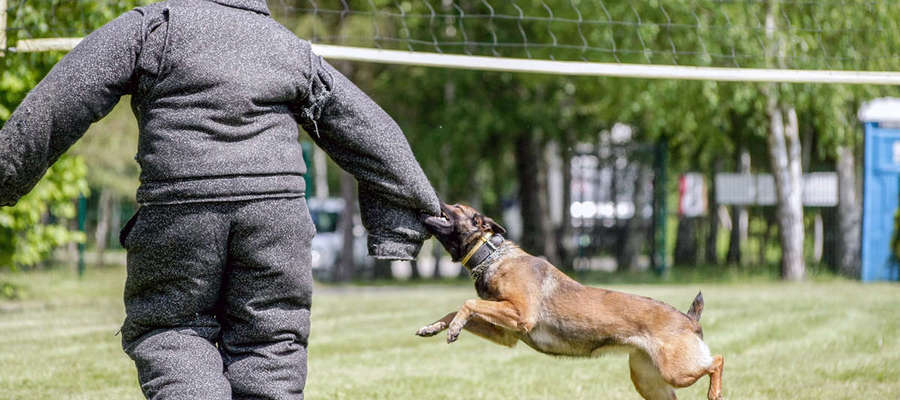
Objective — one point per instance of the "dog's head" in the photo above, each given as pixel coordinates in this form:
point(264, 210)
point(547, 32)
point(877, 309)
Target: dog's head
point(459, 227)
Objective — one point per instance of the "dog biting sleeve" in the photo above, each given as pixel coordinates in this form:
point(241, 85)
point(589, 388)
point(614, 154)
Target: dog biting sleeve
point(365, 141)
point(82, 88)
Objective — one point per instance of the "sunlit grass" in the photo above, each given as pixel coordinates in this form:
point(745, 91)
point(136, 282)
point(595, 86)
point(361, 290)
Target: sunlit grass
point(834, 339)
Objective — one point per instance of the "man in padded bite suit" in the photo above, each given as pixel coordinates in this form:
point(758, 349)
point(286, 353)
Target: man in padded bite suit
point(219, 285)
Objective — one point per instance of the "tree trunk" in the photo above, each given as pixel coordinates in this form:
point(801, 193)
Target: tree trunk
point(346, 262)
point(818, 238)
point(437, 251)
point(830, 238)
point(765, 236)
point(115, 222)
point(537, 232)
point(564, 238)
point(636, 228)
point(555, 194)
point(382, 270)
point(784, 152)
point(785, 155)
point(711, 255)
point(738, 221)
point(686, 241)
point(848, 215)
point(740, 218)
point(414, 270)
point(101, 235)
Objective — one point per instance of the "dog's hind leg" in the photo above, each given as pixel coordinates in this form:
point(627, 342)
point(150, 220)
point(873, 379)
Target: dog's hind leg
point(685, 359)
point(647, 379)
point(715, 378)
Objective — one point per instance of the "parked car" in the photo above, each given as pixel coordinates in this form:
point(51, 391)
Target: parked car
point(328, 244)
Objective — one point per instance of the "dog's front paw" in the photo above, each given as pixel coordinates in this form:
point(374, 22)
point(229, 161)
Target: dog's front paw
point(432, 329)
point(453, 333)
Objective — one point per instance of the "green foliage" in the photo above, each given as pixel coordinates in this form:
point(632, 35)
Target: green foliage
point(27, 232)
point(40, 221)
point(37, 224)
point(464, 124)
point(703, 120)
point(108, 149)
point(8, 291)
point(52, 18)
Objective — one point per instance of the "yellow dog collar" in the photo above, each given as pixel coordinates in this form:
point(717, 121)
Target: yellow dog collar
point(483, 239)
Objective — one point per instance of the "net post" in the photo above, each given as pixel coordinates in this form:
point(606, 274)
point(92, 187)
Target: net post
point(2, 28)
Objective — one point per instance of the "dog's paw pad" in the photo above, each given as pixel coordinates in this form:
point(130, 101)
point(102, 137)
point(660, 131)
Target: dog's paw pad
point(425, 332)
point(453, 333)
point(430, 330)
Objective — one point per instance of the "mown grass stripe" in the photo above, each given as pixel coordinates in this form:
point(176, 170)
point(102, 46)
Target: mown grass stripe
point(834, 340)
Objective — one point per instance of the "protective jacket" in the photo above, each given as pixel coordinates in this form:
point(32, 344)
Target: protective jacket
point(218, 89)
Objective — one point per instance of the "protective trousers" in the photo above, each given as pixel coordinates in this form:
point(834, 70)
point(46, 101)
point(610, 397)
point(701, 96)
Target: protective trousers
point(217, 299)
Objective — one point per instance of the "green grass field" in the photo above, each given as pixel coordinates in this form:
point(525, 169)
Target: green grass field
point(825, 340)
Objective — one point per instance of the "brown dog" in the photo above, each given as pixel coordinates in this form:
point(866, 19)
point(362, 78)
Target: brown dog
point(525, 298)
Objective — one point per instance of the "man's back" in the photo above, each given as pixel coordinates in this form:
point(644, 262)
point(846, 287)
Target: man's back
point(216, 98)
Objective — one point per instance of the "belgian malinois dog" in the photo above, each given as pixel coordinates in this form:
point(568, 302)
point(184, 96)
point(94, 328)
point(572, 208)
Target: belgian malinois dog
point(522, 297)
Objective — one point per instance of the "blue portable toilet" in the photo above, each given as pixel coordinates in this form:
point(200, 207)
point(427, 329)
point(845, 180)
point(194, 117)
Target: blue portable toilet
point(881, 187)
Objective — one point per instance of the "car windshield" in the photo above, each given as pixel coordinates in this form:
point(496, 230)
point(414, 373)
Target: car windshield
point(325, 221)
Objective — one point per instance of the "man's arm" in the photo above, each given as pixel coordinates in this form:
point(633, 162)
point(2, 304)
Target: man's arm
point(79, 90)
point(365, 141)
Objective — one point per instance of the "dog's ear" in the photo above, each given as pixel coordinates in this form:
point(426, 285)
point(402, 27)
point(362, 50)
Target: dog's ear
point(438, 225)
point(487, 222)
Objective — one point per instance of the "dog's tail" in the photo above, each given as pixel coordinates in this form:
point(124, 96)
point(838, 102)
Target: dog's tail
point(696, 307)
